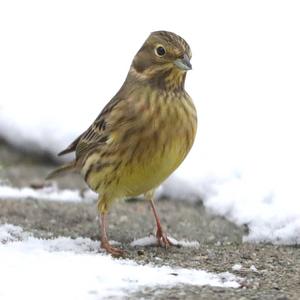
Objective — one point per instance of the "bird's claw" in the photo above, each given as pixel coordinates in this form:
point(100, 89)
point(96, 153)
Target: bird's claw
point(163, 240)
point(116, 252)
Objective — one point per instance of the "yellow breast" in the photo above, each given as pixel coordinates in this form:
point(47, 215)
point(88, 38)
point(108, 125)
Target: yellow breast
point(151, 169)
point(161, 150)
point(146, 152)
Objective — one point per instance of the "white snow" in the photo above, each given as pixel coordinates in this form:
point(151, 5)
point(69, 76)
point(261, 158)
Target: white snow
point(236, 267)
point(63, 268)
point(45, 193)
point(151, 240)
point(62, 61)
point(271, 217)
point(239, 267)
point(253, 268)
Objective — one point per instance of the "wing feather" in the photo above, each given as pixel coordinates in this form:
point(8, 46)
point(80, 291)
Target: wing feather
point(100, 132)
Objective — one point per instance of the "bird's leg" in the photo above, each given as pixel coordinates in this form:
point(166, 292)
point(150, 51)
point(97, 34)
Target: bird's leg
point(103, 227)
point(162, 238)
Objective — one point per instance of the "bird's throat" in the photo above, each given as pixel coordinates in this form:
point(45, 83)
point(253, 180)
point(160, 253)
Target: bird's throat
point(168, 78)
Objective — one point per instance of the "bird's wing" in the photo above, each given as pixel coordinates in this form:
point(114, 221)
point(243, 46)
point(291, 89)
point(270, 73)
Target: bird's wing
point(71, 147)
point(117, 115)
point(118, 112)
point(94, 135)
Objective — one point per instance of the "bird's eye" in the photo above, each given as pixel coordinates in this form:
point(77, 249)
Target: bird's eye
point(160, 51)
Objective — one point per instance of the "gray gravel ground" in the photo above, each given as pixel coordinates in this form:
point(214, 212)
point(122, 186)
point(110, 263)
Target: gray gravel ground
point(278, 267)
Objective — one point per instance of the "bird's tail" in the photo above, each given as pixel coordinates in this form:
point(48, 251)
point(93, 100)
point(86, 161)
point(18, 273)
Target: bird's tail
point(70, 167)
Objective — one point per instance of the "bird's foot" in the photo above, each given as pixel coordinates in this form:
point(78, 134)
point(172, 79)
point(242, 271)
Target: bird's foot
point(162, 239)
point(116, 252)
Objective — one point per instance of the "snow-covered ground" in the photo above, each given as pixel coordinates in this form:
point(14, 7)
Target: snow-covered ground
point(61, 61)
point(72, 269)
point(50, 193)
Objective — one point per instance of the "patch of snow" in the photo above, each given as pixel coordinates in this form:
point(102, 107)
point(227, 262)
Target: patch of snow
point(46, 193)
point(185, 243)
point(253, 268)
point(237, 267)
point(272, 217)
point(12, 233)
point(151, 240)
point(76, 271)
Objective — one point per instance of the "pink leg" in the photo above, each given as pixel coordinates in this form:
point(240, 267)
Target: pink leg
point(161, 236)
point(103, 227)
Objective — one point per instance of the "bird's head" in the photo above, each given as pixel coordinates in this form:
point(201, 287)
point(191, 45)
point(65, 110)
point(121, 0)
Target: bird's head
point(163, 60)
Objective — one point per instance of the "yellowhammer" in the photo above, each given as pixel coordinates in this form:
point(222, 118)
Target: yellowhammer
point(143, 134)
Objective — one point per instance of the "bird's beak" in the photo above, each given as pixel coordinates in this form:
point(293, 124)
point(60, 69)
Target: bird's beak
point(183, 63)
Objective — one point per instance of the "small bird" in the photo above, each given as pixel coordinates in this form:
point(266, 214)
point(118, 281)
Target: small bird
point(142, 135)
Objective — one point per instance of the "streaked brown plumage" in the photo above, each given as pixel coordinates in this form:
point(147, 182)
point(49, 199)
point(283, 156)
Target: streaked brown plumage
point(143, 134)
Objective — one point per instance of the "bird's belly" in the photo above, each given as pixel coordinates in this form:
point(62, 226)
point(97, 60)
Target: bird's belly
point(151, 168)
point(147, 165)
